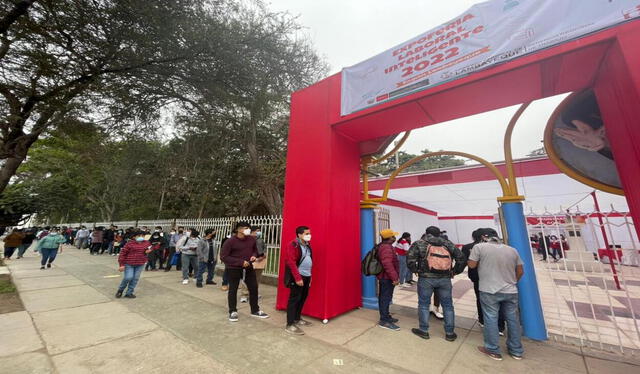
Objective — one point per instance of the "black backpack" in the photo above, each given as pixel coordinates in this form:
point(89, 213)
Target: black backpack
point(370, 263)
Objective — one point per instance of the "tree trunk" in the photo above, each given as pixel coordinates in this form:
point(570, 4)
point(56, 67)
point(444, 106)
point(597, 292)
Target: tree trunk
point(8, 170)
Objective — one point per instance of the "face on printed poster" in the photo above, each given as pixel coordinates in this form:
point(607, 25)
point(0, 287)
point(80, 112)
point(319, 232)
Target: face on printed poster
point(487, 34)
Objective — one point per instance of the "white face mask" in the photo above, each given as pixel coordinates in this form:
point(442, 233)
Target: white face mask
point(188, 233)
point(247, 232)
point(307, 238)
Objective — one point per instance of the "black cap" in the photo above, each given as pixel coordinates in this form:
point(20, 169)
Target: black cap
point(433, 230)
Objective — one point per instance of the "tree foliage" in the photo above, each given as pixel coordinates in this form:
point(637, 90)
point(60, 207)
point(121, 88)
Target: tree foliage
point(437, 162)
point(98, 82)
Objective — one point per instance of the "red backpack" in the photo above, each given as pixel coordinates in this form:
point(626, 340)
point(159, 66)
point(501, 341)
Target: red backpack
point(438, 259)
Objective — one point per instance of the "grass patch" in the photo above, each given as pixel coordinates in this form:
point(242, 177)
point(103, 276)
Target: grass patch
point(6, 286)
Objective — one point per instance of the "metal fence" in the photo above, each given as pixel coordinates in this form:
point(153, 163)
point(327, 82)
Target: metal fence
point(590, 283)
point(271, 227)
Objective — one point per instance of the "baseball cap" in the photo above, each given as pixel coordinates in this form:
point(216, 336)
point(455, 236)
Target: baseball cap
point(387, 233)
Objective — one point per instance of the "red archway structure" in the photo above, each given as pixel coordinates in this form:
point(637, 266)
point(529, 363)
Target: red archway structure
point(322, 186)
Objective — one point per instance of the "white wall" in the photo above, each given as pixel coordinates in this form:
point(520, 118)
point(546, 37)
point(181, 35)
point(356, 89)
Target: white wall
point(459, 230)
point(405, 220)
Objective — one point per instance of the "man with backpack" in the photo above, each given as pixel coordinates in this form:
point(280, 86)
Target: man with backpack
point(388, 278)
point(432, 258)
point(298, 264)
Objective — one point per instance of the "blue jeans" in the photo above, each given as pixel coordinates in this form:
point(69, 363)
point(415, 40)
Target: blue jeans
point(426, 287)
point(131, 277)
point(48, 255)
point(405, 273)
point(491, 306)
point(385, 295)
point(205, 266)
point(186, 261)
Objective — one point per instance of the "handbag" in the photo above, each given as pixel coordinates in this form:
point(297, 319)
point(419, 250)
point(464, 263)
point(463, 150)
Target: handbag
point(174, 259)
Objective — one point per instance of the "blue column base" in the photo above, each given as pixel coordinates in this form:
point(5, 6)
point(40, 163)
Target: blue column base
point(367, 241)
point(532, 318)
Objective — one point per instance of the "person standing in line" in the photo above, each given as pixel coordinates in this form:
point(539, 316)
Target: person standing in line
point(388, 279)
point(96, 240)
point(131, 259)
point(27, 240)
point(473, 276)
point(207, 258)
point(158, 244)
point(499, 269)
point(81, 237)
point(298, 266)
point(118, 242)
point(239, 253)
point(49, 247)
point(225, 278)
point(174, 237)
point(432, 258)
point(107, 240)
point(11, 242)
point(259, 264)
point(402, 247)
point(188, 246)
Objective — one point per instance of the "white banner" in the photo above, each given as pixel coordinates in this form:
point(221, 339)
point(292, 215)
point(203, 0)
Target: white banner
point(487, 34)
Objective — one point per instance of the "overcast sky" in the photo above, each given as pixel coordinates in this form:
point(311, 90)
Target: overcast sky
point(346, 32)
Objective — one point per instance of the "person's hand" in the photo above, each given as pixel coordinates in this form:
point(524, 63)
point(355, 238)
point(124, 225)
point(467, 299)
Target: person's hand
point(395, 283)
point(121, 269)
point(253, 259)
point(245, 264)
point(147, 251)
point(300, 283)
point(584, 136)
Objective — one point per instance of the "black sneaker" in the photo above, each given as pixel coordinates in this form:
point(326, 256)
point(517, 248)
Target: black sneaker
point(48, 265)
point(420, 333)
point(451, 337)
point(260, 314)
point(394, 320)
point(494, 356)
point(199, 284)
point(130, 296)
point(211, 282)
point(119, 294)
point(41, 267)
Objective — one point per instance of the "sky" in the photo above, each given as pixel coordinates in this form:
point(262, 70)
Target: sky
point(346, 32)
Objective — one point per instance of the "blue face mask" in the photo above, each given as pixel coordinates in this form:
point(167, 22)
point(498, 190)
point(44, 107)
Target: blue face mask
point(140, 239)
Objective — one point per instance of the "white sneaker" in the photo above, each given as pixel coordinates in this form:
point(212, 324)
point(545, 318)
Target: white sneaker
point(185, 281)
point(243, 299)
point(436, 312)
point(233, 317)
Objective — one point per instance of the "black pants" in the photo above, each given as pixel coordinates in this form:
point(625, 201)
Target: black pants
point(235, 275)
point(297, 297)
point(501, 321)
point(95, 247)
point(153, 257)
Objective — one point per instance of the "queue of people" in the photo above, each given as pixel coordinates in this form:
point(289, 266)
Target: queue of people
point(494, 269)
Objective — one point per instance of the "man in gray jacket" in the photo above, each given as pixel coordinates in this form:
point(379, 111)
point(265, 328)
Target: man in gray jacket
point(188, 245)
point(207, 258)
point(432, 258)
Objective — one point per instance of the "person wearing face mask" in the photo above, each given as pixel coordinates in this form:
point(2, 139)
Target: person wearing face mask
point(239, 253)
point(49, 247)
point(188, 246)
point(259, 264)
point(388, 279)
point(297, 278)
point(158, 244)
point(174, 237)
point(131, 260)
point(207, 258)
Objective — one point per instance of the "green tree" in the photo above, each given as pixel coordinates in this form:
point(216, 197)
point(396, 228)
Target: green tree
point(436, 162)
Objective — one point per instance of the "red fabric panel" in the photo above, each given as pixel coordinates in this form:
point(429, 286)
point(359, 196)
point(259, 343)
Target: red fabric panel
point(618, 91)
point(322, 191)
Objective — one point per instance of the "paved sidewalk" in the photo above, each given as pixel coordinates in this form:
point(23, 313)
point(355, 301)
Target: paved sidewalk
point(73, 324)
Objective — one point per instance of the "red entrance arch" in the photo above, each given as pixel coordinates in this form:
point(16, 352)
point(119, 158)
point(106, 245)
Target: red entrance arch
point(322, 185)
